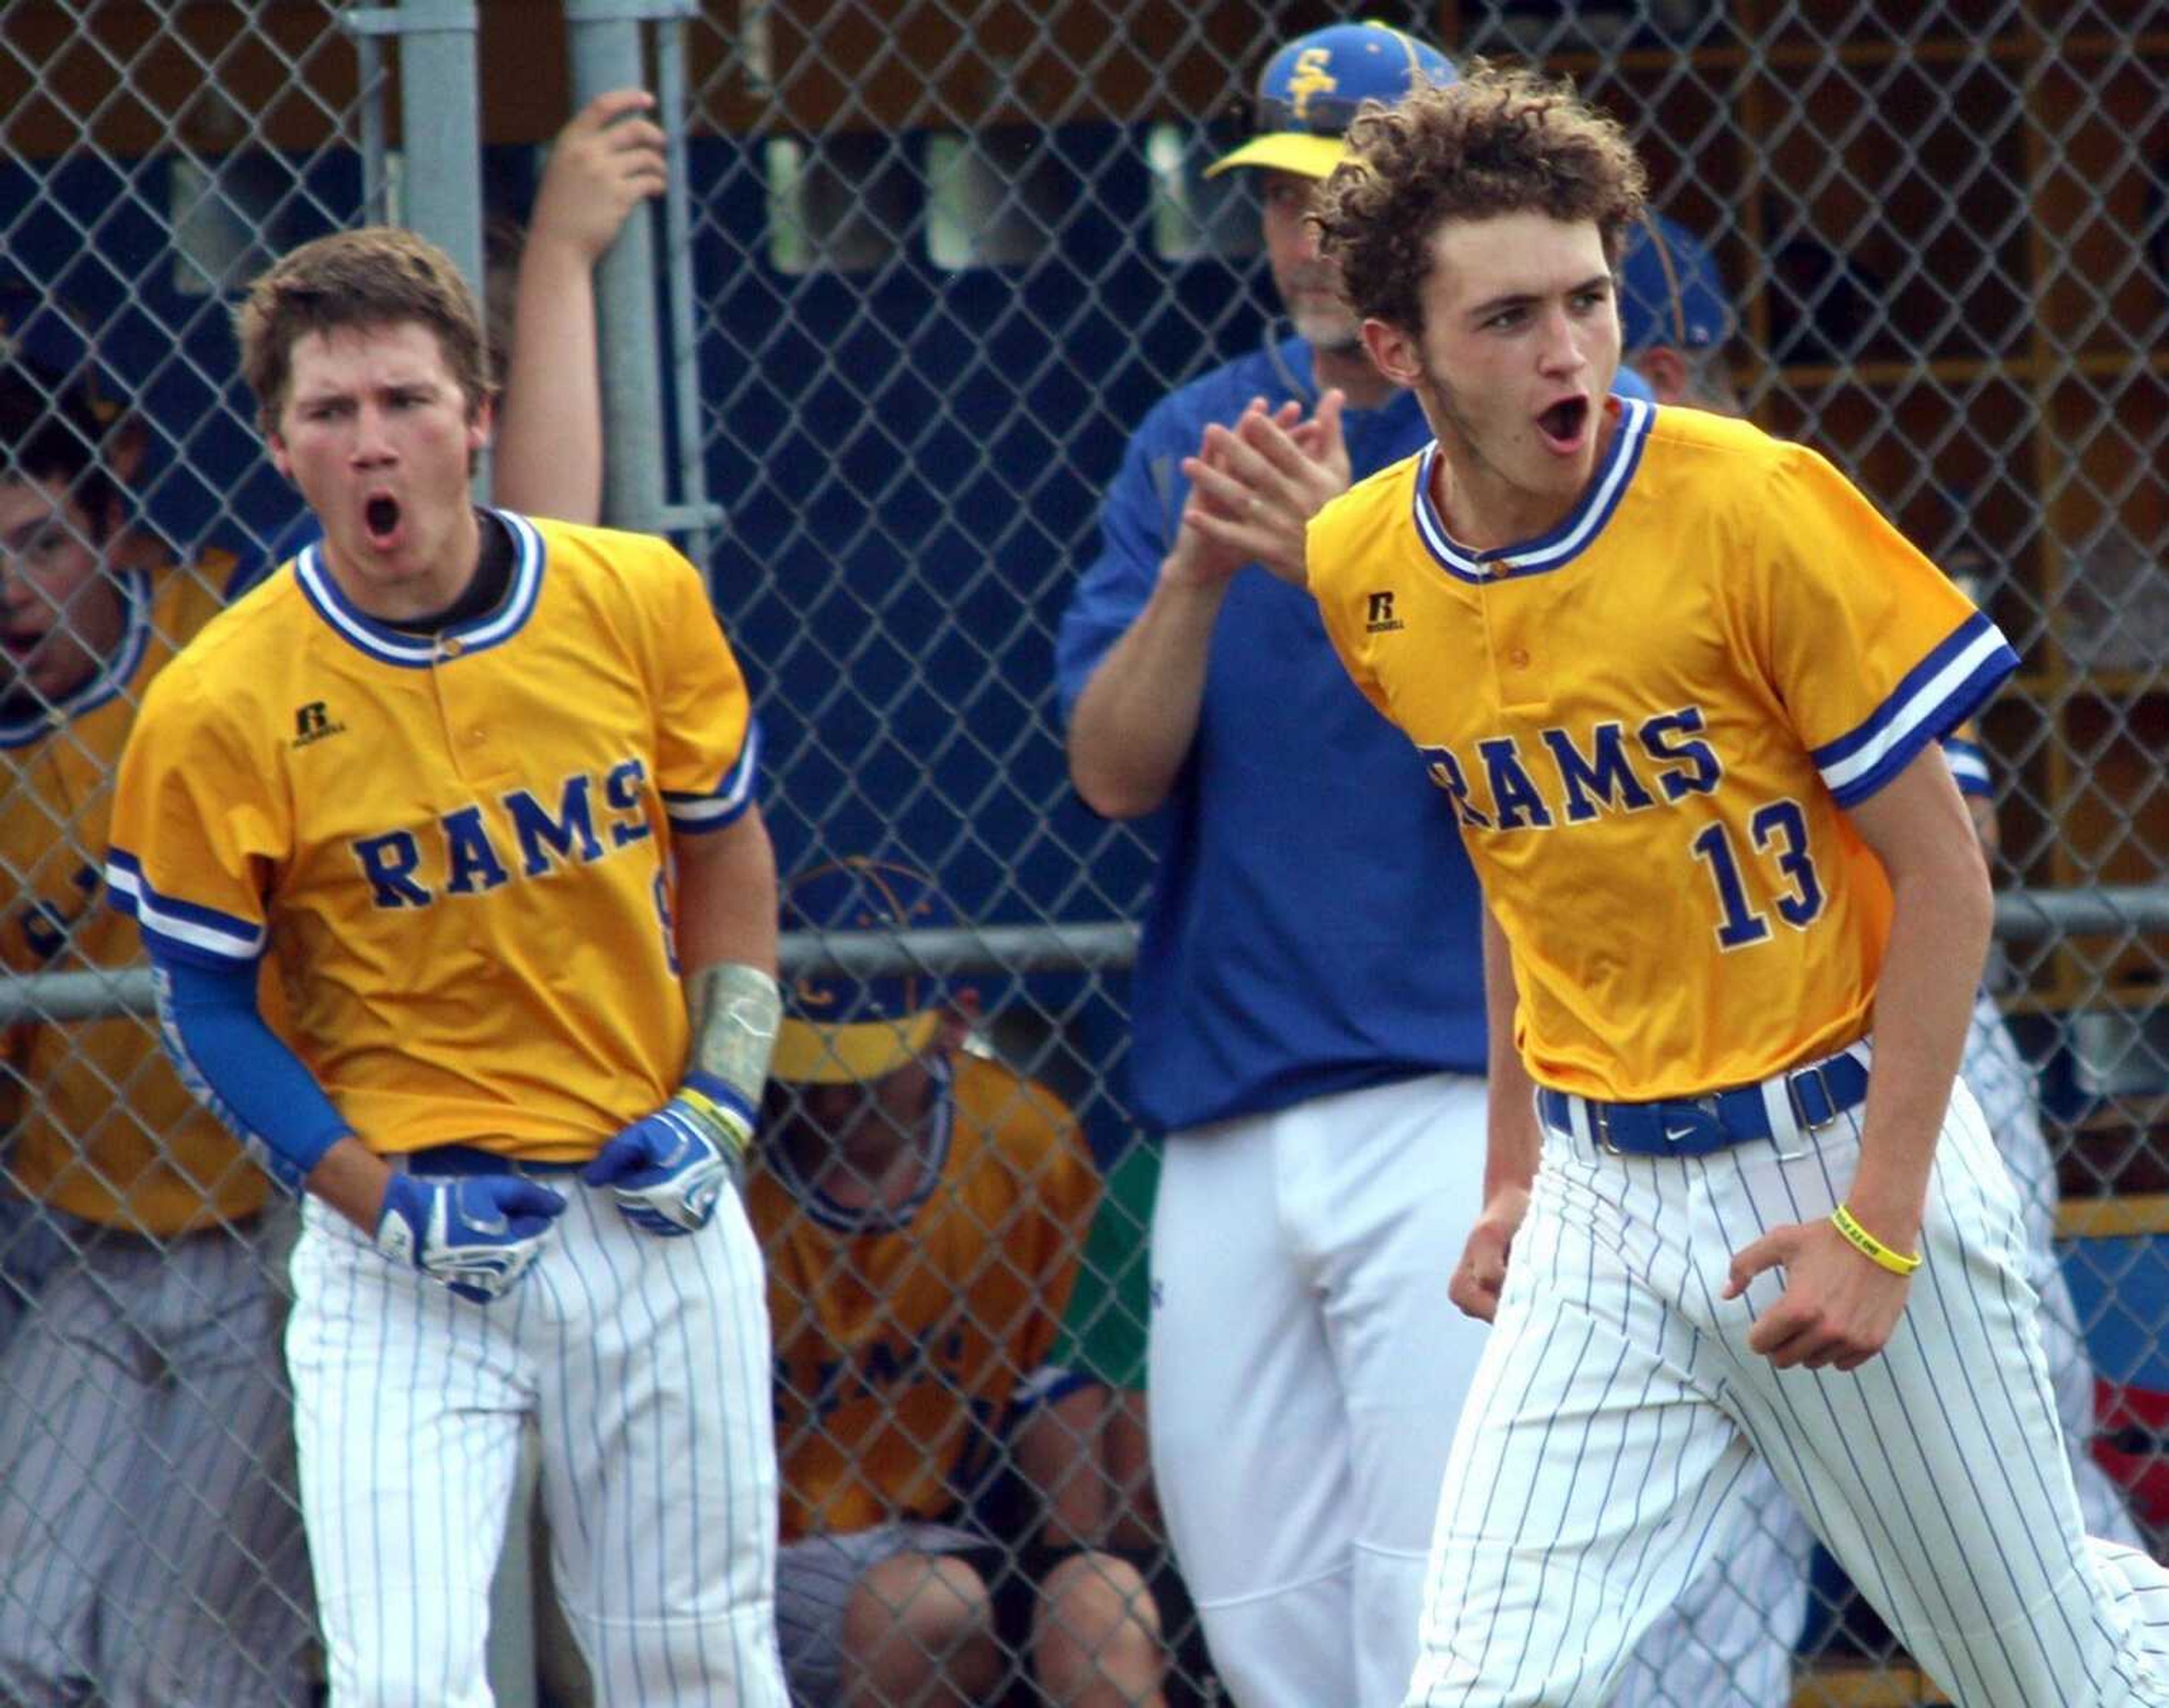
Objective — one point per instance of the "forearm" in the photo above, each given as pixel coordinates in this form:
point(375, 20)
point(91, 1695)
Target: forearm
point(243, 1073)
point(728, 899)
point(1135, 720)
point(1058, 1451)
point(549, 446)
point(1931, 969)
point(1513, 1143)
point(351, 1178)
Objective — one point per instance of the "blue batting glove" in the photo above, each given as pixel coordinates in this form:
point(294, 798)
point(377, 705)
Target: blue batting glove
point(668, 1170)
point(478, 1236)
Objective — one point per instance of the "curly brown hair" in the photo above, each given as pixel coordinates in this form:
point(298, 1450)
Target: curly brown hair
point(1501, 140)
point(379, 275)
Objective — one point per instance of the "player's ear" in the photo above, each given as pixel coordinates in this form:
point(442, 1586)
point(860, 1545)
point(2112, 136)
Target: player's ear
point(275, 443)
point(960, 1017)
point(482, 423)
point(1392, 352)
point(1665, 370)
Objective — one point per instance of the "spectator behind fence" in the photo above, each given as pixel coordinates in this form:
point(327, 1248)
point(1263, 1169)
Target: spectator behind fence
point(487, 782)
point(1104, 1337)
point(1731, 1642)
point(539, 301)
point(922, 1210)
point(1307, 1020)
point(151, 1551)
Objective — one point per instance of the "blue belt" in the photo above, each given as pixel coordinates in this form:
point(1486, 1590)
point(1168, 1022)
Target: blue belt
point(472, 1159)
point(1696, 1126)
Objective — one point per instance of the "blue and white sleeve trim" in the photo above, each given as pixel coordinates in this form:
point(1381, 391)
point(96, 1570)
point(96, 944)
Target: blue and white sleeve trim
point(1969, 764)
point(1045, 1385)
point(728, 800)
point(177, 929)
point(1937, 695)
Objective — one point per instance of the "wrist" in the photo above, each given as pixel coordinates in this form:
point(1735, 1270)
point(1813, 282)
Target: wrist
point(1184, 579)
point(1892, 1216)
point(735, 1010)
point(1895, 1260)
point(403, 1218)
point(720, 1111)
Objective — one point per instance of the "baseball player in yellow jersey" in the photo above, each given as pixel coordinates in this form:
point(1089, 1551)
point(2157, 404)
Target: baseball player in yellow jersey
point(150, 1548)
point(1729, 1641)
point(484, 784)
point(922, 1210)
point(1681, 685)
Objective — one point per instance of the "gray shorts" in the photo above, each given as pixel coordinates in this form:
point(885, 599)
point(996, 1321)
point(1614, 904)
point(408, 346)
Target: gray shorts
point(813, 1582)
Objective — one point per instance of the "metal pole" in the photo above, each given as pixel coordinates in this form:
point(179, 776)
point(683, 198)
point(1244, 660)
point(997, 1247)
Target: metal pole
point(376, 203)
point(2021, 916)
point(697, 517)
point(606, 49)
point(440, 128)
point(440, 121)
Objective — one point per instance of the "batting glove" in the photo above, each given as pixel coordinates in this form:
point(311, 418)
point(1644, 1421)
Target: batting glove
point(668, 1170)
point(478, 1236)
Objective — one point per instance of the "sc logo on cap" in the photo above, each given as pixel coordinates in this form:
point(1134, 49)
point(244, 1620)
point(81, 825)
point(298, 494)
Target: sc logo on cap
point(1311, 77)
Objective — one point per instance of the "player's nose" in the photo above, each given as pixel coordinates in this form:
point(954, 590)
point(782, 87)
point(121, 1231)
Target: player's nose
point(372, 436)
point(1559, 343)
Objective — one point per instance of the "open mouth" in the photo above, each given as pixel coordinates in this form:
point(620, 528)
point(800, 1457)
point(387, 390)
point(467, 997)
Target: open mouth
point(1563, 422)
point(379, 515)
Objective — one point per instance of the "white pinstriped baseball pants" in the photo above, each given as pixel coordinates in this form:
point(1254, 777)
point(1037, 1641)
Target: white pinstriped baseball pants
point(150, 1554)
point(1728, 1642)
point(1617, 1408)
point(646, 1363)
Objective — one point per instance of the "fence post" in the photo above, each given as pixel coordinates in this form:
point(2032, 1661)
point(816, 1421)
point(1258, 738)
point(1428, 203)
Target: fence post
point(440, 137)
point(605, 47)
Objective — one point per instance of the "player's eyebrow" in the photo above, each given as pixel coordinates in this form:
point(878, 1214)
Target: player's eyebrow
point(23, 532)
point(1523, 299)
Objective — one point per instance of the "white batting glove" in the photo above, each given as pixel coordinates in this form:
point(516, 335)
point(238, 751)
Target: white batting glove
point(668, 1170)
point(477, 1235)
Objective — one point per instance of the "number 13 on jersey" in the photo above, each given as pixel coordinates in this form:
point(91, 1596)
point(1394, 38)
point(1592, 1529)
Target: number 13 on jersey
point(1779, 835)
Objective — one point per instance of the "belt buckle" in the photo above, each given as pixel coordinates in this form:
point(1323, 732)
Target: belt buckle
point(1799, 1108)
point(1600, 1122)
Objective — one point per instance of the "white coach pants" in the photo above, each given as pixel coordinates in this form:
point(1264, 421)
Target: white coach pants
point(1617, 1408)
point(1305, 1369)
point(645, 1363)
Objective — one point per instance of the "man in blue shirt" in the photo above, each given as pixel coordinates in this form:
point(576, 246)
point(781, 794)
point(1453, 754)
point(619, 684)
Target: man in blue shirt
point(1307, 1019)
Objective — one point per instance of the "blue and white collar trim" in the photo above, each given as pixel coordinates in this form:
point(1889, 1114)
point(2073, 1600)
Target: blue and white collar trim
point(1563, 542)
point(111, 679)
point(937, 1138)
point(391, 645)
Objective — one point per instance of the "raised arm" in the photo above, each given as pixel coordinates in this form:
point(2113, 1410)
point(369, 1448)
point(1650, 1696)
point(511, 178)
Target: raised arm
point(604, 164)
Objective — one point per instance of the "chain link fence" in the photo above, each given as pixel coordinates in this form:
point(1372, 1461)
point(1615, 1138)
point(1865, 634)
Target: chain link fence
point(926, 263)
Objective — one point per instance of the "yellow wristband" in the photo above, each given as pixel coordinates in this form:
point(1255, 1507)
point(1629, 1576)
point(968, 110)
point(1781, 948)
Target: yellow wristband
point(1871, 1247)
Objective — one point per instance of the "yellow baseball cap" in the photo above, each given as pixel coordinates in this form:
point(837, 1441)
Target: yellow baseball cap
point(840, 1031)
point(1309, 91)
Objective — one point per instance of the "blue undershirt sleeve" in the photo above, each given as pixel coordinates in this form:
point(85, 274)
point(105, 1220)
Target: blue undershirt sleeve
point(238, 1067)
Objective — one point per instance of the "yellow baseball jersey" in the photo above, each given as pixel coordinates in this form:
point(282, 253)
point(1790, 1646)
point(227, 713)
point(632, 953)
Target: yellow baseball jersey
point(1649, 722)
point(456, 846)
point(107, 1133)
point(905, 1338)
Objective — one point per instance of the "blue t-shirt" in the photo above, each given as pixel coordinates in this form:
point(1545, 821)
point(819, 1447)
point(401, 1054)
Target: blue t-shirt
point(1313, 926)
